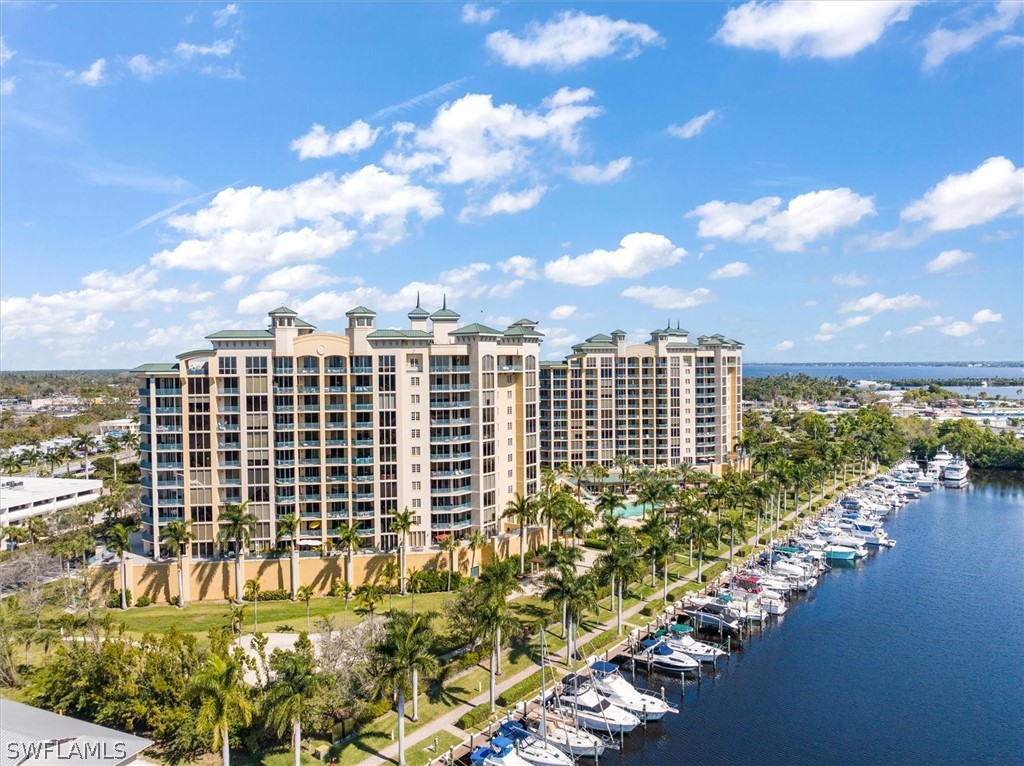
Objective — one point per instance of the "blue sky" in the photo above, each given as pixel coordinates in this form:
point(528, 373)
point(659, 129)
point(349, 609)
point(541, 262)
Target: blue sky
point(821, 181)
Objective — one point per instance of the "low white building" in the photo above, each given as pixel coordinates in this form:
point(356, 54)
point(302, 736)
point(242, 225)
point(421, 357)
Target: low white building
point(24, 496)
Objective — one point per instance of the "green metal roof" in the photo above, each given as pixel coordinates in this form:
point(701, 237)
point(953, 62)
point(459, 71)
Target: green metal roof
point(445, 314)
point(476, 329)
point(618, 332)
point(360, 311)
point(599, 338)
point(197, 352)
point(524, 321)
point(521, 331)
point(235, 334)
point(303, 323)
point(283, 310)
point(419, 312)
point(157, 367)
point(387, 333)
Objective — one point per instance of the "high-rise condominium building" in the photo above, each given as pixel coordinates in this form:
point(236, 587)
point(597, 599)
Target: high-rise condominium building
point(342, 429)
point(662, 402)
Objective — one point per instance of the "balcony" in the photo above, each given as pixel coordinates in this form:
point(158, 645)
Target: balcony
point(363, 442)
point(448, 508)
point(309, 389)
point(284, 408)
point(362, 407)
point(173, 447)
point(336, 442)
point(283, 444)
point(362, 460)
point(284, 499)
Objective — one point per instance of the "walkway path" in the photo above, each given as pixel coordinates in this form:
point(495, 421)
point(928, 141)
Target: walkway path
point(448, 720)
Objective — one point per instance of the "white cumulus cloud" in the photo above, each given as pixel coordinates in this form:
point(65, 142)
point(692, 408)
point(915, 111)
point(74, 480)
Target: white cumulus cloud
point(853, 279)
point(572, 38)
point(474, 14)
point(985, 316)
point(505, 202)
point(94, 76)
point(251, 229)
point(306, 276)
point(730, 270)
point(217, 49)
point(596, 174)
point(224, 15)
point(992, 189)
point(943, 43)
point(7, 85)
point(6, 54)
point(638, 253)
point(805, 219)
point(784, 345)
point(562, 312)
point(520, 266)
point(828, 29)
point(693, 127)
point(958, 329)
point(665, 297)
point(319, 143)
point(875, 303)
point(946, 260)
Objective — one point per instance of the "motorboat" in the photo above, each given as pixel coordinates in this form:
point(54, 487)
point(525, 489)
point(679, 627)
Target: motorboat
point(659, 655)
point(702, 616)
point(592, 711)
point(610, 684)
point(839, 553)
point(938, 463)
point(531, 747)
point(562, 732)
point(681, 639)
point(954, 475)
point(500, 752)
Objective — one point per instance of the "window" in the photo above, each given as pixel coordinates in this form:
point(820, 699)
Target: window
point(509, 409)
point(416, 451)
point(414, 381)
point(255, 365)
point(415, 416)
point(415, 467)
point(510, 473)
point(417, 485)
point(508, 395)
point(416, 502)
point(415, 398)
point(510, 442)
point(227, 365)
point(415, 433)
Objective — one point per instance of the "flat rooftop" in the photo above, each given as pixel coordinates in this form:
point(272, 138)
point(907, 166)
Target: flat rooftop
point(17, 492)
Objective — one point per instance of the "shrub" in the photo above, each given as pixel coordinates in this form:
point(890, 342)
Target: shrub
point(175, 600)
point(475, 717)
point(516, 692)
point(595, 543)
point(275, 595)
point(143, 600)
point(114, 599)
point(369, 711)
point(467, 659)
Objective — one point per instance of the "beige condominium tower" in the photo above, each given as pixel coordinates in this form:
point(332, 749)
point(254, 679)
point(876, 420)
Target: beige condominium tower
point(662, 402)
point(342, 428)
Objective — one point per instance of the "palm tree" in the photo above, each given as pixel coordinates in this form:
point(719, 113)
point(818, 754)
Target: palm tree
point(476, 540)
point(523, 510)
point(491, 618)
point(84, 443)
point(498, 580)
point(54, 458)
point(611, 530)
point(401, 525)
point(287, 531)
point(660, 546)
point(389, 576)
point(368, 595)
point(32, 457)
point(449, 544)
point(130, 442)
point(578, 593)
point(305, 594)
point(404, 650)
point(223, 696)
point(10, 464)
point(578, 519)
point(252, 593)
point(416, 582)
point(112, 444)
point(608, 502)
point(296, 681)
point(238, 525)
point(347, 540)
point(704, 534)
point(177, 536)
point(579, 474)
point(552, 505)
point(621, 565)
point(119, 540)
point(623, 462)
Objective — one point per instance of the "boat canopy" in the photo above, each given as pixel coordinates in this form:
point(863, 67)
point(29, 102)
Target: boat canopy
point(680, 628)
point(513, 730)
point(604, 667)
point(501, 743)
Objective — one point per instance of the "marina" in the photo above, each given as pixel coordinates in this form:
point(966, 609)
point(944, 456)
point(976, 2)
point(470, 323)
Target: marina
point(848, 667)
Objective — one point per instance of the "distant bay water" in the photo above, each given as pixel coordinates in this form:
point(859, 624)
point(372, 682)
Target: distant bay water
point(869, 371)
point(912, 657)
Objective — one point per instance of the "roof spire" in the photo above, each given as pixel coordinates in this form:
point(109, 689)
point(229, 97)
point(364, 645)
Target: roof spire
point(444, 300)
point(417, 299)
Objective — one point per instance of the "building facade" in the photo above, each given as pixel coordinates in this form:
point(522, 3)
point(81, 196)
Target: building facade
point(342, 428)
point(663, 402)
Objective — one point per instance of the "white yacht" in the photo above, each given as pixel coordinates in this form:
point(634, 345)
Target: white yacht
point(501, 752)
point(661, 656)
point(593, 711)
point(533, 748)
point(610, 684)
point(954, 475)
point(562, 732)
point(939, 462)
point(680, 638)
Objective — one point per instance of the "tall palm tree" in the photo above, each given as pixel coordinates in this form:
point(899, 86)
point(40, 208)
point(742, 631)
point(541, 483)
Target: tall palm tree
point(177, 536)
point(491, 617)
point(623, 462)
point(552, 506)
point(296, 681)
point(54, 458)
point(306, 594)
point(401, 525)
point(661, 546)
point(523, 510)
point(704, 534)
point(32, 457)
point(238, 525)
point(223, 696)
point(611, 530)
point(84, 443)
point(498, 581)
point(732, 523)
point(130, 442)
point(621, 565)
point(389, 576)
point(252, 593)
point(476, 541)
point(577, 519)
point(10, 464)
point(287, 531)
point(405, 648)
point(113, 445)
point(347, 540)
point(608, 502)
point(579, 474)
point(578, 593)
point(449, 544)
point(67, 454)
point(119, 540)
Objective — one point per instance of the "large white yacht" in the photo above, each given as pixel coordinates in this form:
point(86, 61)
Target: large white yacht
point(593, 711)
point(610, 684)
point(954, 475)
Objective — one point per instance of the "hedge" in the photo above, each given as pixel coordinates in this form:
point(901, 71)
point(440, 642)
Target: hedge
point(519, 691)
point(473, 718)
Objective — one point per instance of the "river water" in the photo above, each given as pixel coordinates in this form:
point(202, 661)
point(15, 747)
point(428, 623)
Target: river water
point(913, 656)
